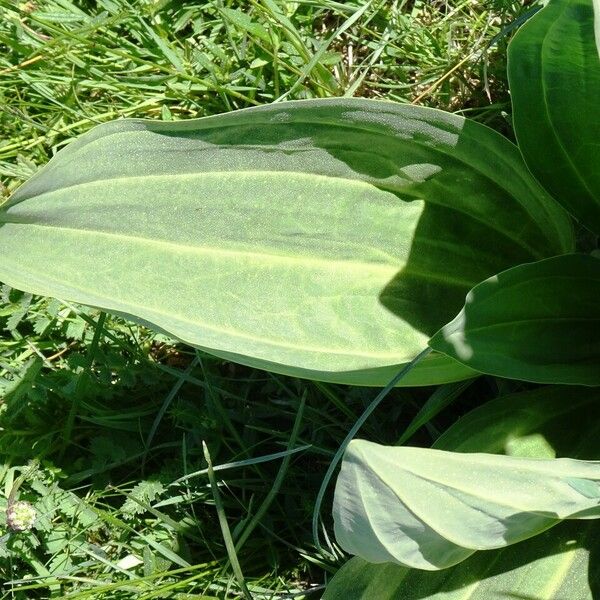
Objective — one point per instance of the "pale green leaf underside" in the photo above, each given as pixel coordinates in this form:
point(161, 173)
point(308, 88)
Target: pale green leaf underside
point(430, 509)
point(554, 565)
point(536, 322)
point(554, 74)
point(325, 239)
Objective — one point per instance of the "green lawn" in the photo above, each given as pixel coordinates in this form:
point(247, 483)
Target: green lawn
point(102, 422)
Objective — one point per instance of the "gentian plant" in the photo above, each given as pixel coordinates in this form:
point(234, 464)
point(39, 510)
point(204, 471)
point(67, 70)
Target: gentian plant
point(337, 240)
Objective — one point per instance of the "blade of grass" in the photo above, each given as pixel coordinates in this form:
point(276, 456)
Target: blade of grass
point(274, 490)
point(244, 463)
point(233, 559)
point(359, 423)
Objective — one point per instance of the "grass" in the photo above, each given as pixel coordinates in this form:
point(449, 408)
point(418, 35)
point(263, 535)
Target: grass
point(102, 422)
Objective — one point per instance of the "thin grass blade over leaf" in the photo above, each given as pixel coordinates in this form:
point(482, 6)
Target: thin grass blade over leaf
point(326, 239)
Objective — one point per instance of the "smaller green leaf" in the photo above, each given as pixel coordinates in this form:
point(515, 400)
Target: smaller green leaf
point(554, 76)
point(552, 566)
point(508, 424)
point(144, 492)
point(431, 509)
point(243, 21)
point(536, 322)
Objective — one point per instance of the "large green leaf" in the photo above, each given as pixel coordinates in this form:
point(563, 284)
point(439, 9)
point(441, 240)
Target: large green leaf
point(554, 74)
point(326, 239)
point(536, 322)
point(560, 564)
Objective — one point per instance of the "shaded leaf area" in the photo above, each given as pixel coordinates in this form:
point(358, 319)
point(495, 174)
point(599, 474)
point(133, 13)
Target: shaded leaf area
point(560, 563)
point(537, 322)
point(555, 103)
point(556, 565)
point(325, 239)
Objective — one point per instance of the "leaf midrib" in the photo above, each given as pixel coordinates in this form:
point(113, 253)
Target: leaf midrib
point(179, 247)
point(366, 185)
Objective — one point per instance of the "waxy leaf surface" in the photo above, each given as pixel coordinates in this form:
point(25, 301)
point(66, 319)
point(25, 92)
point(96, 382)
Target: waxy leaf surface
point(554, 75)
point(536, 322)
point(326, 239)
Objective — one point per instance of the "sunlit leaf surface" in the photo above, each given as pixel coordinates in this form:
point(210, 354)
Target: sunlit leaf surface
point(431, 509)
point(326, 239)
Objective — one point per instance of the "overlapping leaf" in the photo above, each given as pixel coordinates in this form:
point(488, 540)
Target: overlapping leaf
point(431, 509)
point(554, 75)
point(552, 566)
point(326, 239)
point(536, 322)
